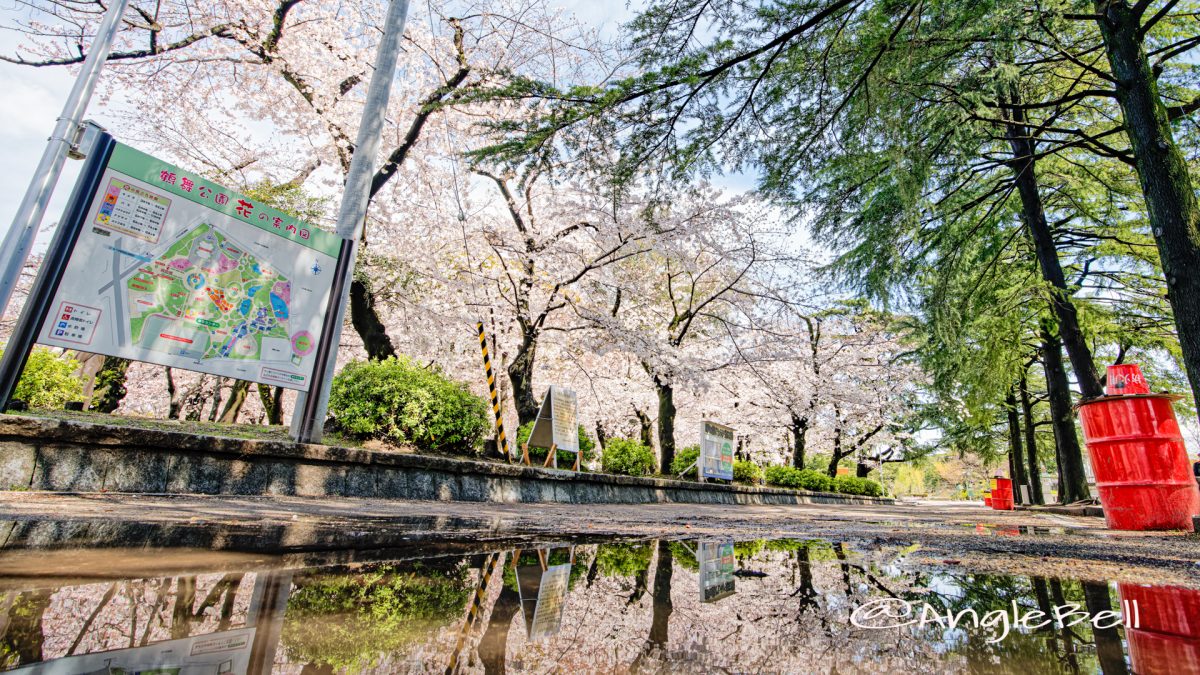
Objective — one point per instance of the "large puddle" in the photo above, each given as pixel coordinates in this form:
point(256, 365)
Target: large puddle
point(633, 606)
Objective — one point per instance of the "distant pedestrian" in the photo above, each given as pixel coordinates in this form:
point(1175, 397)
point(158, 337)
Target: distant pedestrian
point(1196, 470)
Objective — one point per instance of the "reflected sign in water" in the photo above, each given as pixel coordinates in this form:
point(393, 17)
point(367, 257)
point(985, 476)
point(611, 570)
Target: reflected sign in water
point(717, 565)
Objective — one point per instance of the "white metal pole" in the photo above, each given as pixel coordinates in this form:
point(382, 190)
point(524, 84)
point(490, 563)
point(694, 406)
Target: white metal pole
point(18, 242)
point(308, 419)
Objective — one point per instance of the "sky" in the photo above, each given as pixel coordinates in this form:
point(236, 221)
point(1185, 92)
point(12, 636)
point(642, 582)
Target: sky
point(32, 101)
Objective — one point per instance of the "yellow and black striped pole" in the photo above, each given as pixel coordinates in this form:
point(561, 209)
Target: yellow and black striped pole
point(501, 439)
point(493, 562)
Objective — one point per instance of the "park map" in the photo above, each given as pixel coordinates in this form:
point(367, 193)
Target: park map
point(205, 297)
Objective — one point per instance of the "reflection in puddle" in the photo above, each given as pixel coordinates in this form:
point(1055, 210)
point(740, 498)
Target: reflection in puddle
point(653, 606)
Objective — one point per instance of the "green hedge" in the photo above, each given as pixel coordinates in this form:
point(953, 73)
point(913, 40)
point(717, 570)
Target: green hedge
point(587, 447)
point(350, 622)
point(48, 380)
point(399, 401)
point(852, 485)
point(685, 457)
point(804, 479)
point(807, 479)
point(627, 457)
point(747, 472)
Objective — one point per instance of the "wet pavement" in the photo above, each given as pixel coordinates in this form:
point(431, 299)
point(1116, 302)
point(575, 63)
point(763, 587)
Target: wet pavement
point(158, 585)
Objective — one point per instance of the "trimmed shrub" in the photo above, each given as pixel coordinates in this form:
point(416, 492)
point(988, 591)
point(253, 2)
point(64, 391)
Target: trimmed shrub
point(399, 401)
point(782, 476)
point(48, 380)
point(627, 457)
point(815, 481)
point(747, 472)
point(803, 479)
point(852, 485)
point(623, 560)
point(587, 447)
point(351, 621)
point(685, 457)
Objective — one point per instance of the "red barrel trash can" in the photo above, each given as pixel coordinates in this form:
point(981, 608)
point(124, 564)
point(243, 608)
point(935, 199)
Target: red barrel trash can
point(1140, 462)
point(1002, 494)
point(1162, 628)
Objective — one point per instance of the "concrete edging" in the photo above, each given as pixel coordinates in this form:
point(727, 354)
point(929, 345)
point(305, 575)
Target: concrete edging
point(1088, 511)
point(69, 456)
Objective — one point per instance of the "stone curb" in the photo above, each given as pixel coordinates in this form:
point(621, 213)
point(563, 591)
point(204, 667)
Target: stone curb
point(67, 455)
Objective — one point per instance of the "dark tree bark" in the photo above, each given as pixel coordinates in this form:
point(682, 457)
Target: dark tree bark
point(174, 402)
point(1068, 636)
point(1162, 171)
point(806, 592)
point(837, 444)
point(1033, 215)
point(666, 424)
point(110, 385)
point(799, 430)
point(237, 398)
point(1035, 469)
point(272, 402)
point(1015, 460)
point(493, 646)
point(216, 399)
point(1073, 482)
point(520, 373)
point(645, 427)
point(1109, 651)
point(181, 615)
point(367, 323)
point(661, 618)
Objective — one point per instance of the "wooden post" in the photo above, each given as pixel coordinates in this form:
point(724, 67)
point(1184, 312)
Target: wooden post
point(577, 456)
point(552, 456)
point(525, 454)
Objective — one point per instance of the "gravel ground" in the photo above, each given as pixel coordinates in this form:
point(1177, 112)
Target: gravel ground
point(936, 534)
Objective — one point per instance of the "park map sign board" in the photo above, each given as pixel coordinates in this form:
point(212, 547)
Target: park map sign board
point(172, 269)
point(557, 422)
point(716, 451)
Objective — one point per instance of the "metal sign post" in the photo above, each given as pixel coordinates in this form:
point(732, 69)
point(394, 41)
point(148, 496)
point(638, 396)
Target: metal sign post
point(14, 251)
point(308, 422)
point(53, 266)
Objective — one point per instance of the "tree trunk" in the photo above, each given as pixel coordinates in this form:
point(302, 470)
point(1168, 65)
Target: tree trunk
point(174, 402)
point(216, 402)
point(666, 425)
point(1016, 462)
point(110, 385)
point(799, 440)
point(493, 646)
point(1033, 214)
point(237, 398)
point(366, 322)
point(1162, 171)
point(1073, 484)
point(661, 619)
point(1035, 469)
point(645, 427)
point(520, 374)
point(837, 448)
point(1109, 651)
point(272, 402)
